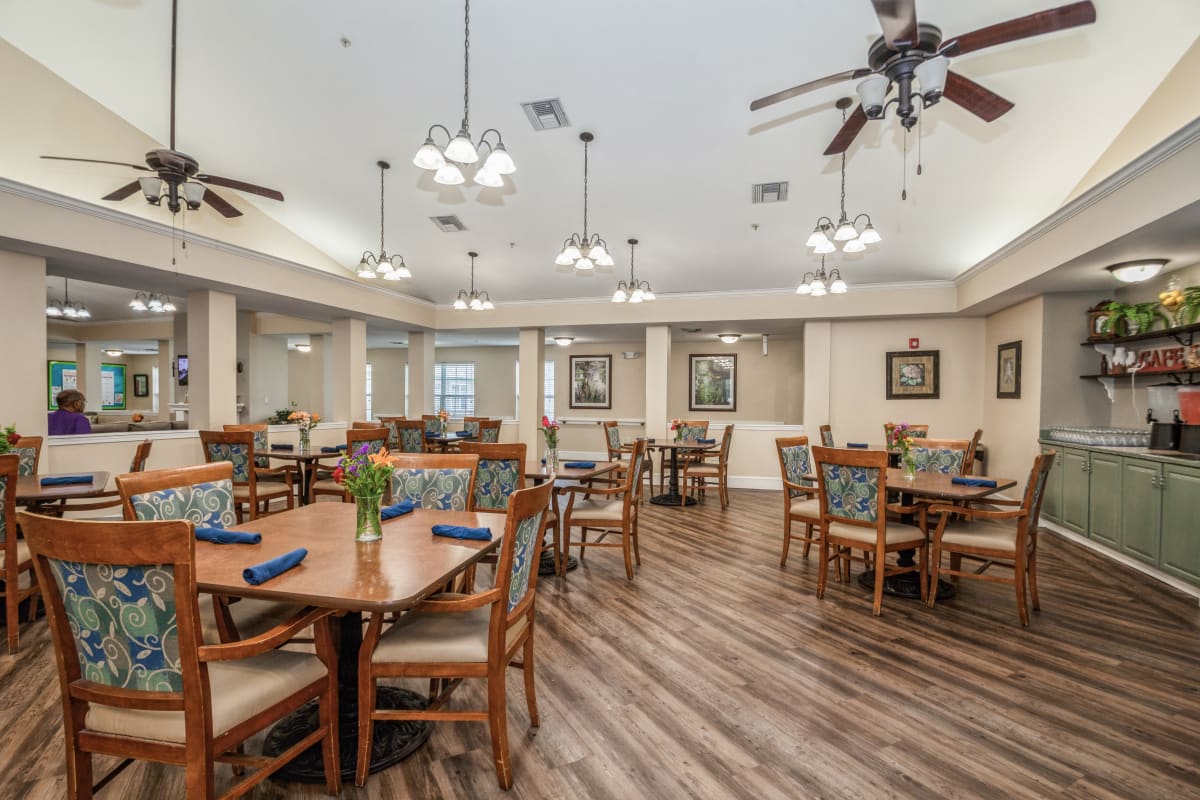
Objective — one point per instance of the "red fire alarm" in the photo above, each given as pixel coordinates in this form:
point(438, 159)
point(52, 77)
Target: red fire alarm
point(914, 343)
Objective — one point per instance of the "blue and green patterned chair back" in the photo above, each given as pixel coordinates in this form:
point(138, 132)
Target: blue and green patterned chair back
point(635, 468)
point(124, 622)
point(411, 439)
point(919, 433)
point(373, 445)
point(444, 489)
point(432, 423)
point(471, 426)
point(495, 480)
point(236, 454)
point(851, 492)
point(28, 460)
point(524, 545)
point(826, 436)
point(207, 504)
point(489, 432)
point(797, 465)
point(938, 459)
point(613, 437)
point(690, 433)
point(261, 446)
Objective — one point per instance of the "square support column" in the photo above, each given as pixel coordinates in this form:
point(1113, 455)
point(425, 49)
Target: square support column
point(212, 359)
point(166, 384)
point(23, 327)
point(658, 367)
point(818, 366)
point(421, 358)
point(531, 360)
point(348, 364)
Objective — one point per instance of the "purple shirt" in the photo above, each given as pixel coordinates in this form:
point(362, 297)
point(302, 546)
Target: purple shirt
point(66, 423)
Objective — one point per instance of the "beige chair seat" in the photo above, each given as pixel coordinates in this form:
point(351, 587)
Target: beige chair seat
point(987, 535)
point(709, 470)
point(807, 507)
point(430, 637)
point(240, 690)
point(893, 534)
point(265, 491)
point(251, 616)
point(607, 511)
point(328, 485)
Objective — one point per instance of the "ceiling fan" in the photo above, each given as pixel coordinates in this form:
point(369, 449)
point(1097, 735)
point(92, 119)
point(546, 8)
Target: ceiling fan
point(910, 49)
point(178, 173)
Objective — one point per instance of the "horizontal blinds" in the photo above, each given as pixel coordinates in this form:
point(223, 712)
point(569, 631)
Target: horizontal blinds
point(454, 388)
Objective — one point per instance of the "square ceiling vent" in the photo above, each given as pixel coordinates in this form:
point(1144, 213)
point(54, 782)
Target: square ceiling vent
point(545, 115)
point(450, 224)
point(770, 192)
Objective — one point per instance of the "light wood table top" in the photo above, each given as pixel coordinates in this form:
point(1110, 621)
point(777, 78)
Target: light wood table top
point(408, 564)
point(674, 445)
point(935, 485)
point(537, 472)
point(31, 492)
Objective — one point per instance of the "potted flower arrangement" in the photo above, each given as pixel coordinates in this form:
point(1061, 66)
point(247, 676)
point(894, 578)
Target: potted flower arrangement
point(550, 431)
point(444, 420)
point(676, 429)
point(305, 421)
point(365, 476)
point(898, 440)
point(8, 438)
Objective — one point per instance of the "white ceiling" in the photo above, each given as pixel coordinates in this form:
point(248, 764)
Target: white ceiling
point(268, 94)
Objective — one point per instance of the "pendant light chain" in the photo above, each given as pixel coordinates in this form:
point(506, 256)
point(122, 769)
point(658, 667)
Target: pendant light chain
point(843, 217)
point(381, 250)
point(466, 65)
point(585, 190)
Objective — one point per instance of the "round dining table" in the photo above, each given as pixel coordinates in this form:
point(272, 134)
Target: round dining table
point(672, 496)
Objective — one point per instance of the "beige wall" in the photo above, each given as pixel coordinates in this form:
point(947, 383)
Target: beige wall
point(387, 381)
point(769, 388)
point(628, 394)
point(306, 378)
point(1067, 400)
point(1010, 426)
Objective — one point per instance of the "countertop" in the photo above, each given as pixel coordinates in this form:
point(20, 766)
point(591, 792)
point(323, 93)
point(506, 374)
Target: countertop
point(1166, 456)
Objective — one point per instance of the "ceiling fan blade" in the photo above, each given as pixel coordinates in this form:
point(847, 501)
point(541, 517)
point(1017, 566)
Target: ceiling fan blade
point(898, 19)
point(787, 94)
point(1054, 19)
point(220, 203)
point(242, 186)
point(142, 167)
point(845, 136)
point(983, 103)
point(123, 192)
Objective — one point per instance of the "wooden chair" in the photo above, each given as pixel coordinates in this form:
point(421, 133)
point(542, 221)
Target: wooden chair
point(14, 554)
point(432, 425)
point(29, 449)
point(450, 638)
point(410, 436)
point(826, 436)
point(112, 498)
point(618, 514)
point(853, 486)
point(156, 692)
point(701, 470)
point(1001, 537)
point(262, 462)
point(237, 448)
point(202, 495)
point(616, 452)
point(918, 431)
point(489, 431)
point(374, 437)
point(969, 461)
point(393, 431)
point(444, 481)
point(690, 430)
point(945, 456)
point(801, 500)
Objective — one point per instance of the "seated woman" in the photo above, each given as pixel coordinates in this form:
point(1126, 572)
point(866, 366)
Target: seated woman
point(69, 418)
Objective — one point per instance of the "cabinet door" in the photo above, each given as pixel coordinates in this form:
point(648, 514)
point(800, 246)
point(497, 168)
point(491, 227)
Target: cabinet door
point(1142, 509)
point(1052, 498)
point(1180, 553)
point(1104, 503)
point(1074, 509)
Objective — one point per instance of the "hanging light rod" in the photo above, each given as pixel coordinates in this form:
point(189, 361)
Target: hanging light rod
point(65, 308)
point(634, 291)
point(392, 268)
point(844, 230)
point(473, 300)
point(584, 251)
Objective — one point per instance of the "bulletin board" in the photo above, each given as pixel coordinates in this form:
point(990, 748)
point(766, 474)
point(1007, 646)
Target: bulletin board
point(64, 375)
point(61, 375)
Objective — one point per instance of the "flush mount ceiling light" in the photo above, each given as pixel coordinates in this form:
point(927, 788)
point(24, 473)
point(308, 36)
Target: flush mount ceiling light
point(152, 301)
point(729, 338)
point(819, 284)
point(844, 231)
point(563, 341)
point(584, 251)
point(1137, 271)
point(113, 351)
point(473, 300)
point(634, 291)
point(392, 268)
point(448, 162)
point(303, 348)
point(65, 308)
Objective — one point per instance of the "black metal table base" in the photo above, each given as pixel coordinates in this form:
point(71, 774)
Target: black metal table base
point(672, 500)
point(906, 585)
point(394, 740)
point(546, 565)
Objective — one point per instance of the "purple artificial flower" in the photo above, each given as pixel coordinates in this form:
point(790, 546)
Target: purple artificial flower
point(364, 450)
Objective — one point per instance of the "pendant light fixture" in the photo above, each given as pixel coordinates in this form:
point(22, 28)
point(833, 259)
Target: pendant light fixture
point(844, 231)
point(819, 284)
point(473, 300)
point(634, 291)
point(65, 308)
point(459, 152)
point(392, 268)
point(584, 251)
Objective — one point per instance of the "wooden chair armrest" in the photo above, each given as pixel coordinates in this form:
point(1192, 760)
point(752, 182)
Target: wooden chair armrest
point(586, 490)
point(459, 604)
point(281, 470)
point(976, 513)
point(115, 502)
point(265, 641)
point(809, 490)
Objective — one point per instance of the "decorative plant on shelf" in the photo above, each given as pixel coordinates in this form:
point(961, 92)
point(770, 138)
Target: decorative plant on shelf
point(1125, 319)
point(1181, 305)
point(280, 417)
point(8, 438)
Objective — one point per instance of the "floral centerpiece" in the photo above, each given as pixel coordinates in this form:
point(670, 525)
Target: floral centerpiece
point(8, 438)
point(305, 422)
point(444, 420)
point(677, 428)
point(550, 431)
point(899, 440)
point(366, 475)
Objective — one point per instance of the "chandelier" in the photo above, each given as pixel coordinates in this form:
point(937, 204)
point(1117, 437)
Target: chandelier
point(818, 284)
point(845, 231)
point(158, 303)
point(392, 268)
point(459, 151)
point(65, 308)
point(584, 251)
point(634, 291)
point(473, 300)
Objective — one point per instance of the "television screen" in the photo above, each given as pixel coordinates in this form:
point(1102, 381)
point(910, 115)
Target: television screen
point(182, 370)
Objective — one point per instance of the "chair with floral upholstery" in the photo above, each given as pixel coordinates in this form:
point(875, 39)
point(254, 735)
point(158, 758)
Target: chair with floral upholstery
point(374, 438)
point(826, 436)
point(616, 452)
point(944, 456)
point(853, 488)
point(699, 470)
point(29, 449)
point(451, 637)
point(689, 430)
point(471, 425)
point(262, 461)
point(445, 481)
point(489, 431)
point(153, 689)
point(393, 431)
point(237, 447)
point(14, 554)
point(801, 502)
point(608, 511)
point(410, 436)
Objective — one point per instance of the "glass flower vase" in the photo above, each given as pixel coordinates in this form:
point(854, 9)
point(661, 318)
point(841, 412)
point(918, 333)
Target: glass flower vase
point(305, 440)
point(910, 466)
point(367, 525)
point(552, 457)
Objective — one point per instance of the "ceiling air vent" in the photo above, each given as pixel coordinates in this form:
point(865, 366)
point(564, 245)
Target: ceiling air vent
point(545, 115)
point(770, 192)
point(450, 224)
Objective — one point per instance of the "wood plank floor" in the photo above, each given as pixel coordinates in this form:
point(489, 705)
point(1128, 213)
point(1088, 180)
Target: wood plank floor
point(716, 674)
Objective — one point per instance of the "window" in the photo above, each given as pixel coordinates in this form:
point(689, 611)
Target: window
point(454, 389)
point(547, 391)
point(369, 392)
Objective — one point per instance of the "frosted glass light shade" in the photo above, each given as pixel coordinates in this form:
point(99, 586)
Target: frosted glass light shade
point(604, 261)
point(448, 175)
point(500, 161)
point(618, 297)
point(1137, 271)
point(649, 295)
point(564, 259)
point(870, 235)
point(52, 310)
point(489, 178)
point(365, 270)
point(931, 74)
point(476, 304)
point(817, 237)
point(83, 312)
point(804, 288)
point(637, 296)
point(460, 303)
point(871, 92)
point(854, 246)
point(597, 252)
point(461, 149)
point(818, 287)
point(429, 157)
point(572, 252)
point(845, 232)
point(838, 286)
point(824, 247)
point(151, 188)
point(488, 305)
point(584, 263)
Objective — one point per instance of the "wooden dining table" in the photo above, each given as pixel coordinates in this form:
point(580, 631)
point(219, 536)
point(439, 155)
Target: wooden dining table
point(672, 496)
point(394, 573)
point(31, 493)
point(538, 473)
point(444, 442)
point(306, 463)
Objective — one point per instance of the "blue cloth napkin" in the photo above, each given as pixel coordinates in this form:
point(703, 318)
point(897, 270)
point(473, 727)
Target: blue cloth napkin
point(261, 573)
point(283, 447)
point(65, 480)
point(463, 532)
point(222, 536)
point(341, 448)
point(706, 441)
point(580, 465)
point(962, 481)
point(460, 434)
point(431, 434)
point(858, 445)
point(391, 512)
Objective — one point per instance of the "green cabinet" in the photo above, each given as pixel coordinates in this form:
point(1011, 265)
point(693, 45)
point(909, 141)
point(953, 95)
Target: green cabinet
point(1073, 512)
point(1052, 494)
point(1179, 553)
point(1141, 511)
point(1104, 498)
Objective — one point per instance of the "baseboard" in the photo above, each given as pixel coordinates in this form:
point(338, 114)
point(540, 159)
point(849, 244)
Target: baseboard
point(755, 482)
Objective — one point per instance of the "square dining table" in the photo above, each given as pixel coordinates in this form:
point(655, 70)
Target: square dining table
point(538, 473)
point(32, 494)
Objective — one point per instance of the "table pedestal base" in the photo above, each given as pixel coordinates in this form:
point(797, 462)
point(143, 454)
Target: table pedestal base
point(672, 500)
point(394, 740)
point(906, 585)
point(546, 565)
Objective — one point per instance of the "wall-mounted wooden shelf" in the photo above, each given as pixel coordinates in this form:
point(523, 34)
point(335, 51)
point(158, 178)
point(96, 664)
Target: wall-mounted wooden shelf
point(1168, 333)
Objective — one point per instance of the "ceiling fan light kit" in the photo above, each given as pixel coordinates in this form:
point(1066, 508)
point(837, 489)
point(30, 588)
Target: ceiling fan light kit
point(471, 300)
point(1137, 271)
point(635, 291)
point(391, 268)
point(584, 251)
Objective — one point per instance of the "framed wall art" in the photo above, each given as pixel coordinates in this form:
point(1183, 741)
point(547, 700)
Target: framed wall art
point(713, 383)
point(1008, 371)
point(141, 385)
point(913, 375)
point(591, 381)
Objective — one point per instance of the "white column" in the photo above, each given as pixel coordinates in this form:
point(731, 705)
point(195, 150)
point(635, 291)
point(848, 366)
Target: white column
point(658, 365)
point(23, 329)
point(166, 385)
point(212, 359)
point(348, 361)
point(531, 358)
point(421, 358)
point(87, 373)
point(818, 367)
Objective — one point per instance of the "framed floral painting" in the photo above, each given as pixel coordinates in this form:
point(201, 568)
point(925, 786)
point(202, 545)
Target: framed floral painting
point(913, 375)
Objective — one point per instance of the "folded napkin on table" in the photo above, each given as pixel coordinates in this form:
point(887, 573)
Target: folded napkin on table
point(391, 512)
point(963, 481)
point(859, 445)
point(222, 536)
point(462, 433)
point(261, 573)
point(283, 447)
point(341, 448)
point(706, 441)
point(65, 480)
point(462, 532)
point(431, 434)
point(580, 464)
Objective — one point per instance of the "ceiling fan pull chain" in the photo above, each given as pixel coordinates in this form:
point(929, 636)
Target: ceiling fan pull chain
point(904, 168)
point(919, 137)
